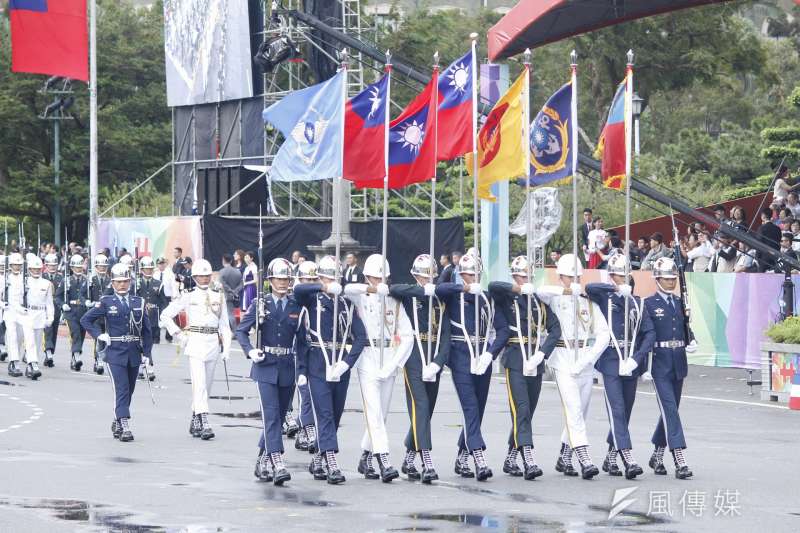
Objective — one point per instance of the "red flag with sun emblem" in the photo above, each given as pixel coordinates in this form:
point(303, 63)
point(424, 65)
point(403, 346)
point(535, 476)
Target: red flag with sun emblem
point(412, 141)
point(455, 108)
point(365, 119)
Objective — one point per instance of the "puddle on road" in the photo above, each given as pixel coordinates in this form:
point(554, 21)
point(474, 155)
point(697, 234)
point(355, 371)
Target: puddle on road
point(288, 495)
point(8, 383)
point(81, 511)
point(251, 414)
point(232, 397)
point(517, 523)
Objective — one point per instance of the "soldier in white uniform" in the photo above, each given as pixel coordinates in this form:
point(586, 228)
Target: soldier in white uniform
point(207, 319)
point(37, 315)
point(3, 265)
point(13, 284)
point(378, 368)
point(574, 370)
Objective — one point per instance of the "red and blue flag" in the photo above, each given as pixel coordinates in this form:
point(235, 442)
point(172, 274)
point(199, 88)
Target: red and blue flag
point(455, 109)
point(611, 148)
point(365, 135)
point(412, 140)
point(49, 37)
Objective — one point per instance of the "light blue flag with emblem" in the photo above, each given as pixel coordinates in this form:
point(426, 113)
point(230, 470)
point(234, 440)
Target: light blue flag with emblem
point(312, 123)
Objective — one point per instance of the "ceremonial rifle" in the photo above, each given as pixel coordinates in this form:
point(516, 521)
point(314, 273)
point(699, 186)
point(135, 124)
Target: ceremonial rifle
point(681, 277)
point(260, 281)
point(22, 248)
point(5, 271)
point(66, 266)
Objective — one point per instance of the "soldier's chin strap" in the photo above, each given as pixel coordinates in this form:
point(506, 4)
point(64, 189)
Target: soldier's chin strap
point(662, 289)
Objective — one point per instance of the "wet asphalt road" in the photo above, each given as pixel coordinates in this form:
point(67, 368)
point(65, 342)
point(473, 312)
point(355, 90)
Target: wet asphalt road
point(60, 469)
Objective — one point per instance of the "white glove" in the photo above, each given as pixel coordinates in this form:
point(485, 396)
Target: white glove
point(87, 303)
point(430, 289)
point(578, 367)
point(382, 289)
point(181, 337)
point(339, 369)
point(256, 355)
point(537, 358)
point(334, 289)
point(692, 346)
point(65, 307)
point(529, 368)
point(147, 361)
point(430, 371)
point(575, 288)
point(526, 289)
point(302, 380)
point(475, 288)
point(385, 372)
point(627, 366)
point(484, 362)
point(647, 376)
point(225, 355)
point(625, 289)
point(104, 337)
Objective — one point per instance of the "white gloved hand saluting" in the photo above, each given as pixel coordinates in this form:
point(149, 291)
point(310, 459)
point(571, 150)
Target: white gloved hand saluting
point(625, 289)
point(382, 289)
point(430, 289)
point(65, 307)
point(256, 355)
point(575, 288)
point(430, 371)
point(302, 380)
point(526, 289)
point(627, 366)
point(104, 337)
point(333, 289)
point(475, 288)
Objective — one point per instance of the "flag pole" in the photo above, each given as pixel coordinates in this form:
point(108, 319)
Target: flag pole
point(574, 140)
point(385, 230)
point(475, 167)
point(628, 130)
point(92, 123)
point(431, 243)
point(336, 226)
point(528, 200)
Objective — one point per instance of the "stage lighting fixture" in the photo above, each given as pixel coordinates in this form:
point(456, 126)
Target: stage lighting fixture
point(274, 52)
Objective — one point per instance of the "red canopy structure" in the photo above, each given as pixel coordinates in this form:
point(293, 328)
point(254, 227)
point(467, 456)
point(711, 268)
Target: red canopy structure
point(533, 23)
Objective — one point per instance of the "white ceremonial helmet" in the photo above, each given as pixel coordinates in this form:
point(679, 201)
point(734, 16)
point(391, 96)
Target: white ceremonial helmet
point(76, 261)
point(519, 266)
point(470, 264)
point(146, 262)
point(126, 261)
point(279, 268)
point(327, 268)
point(424, 266)
point(34, 262)
point(100, 260)
point(307, 270)
point(617, 264)
point(374, 266)
point(201, 267)
point(51, 259)
point(16, 259)
point(566, 266)
point(119, 272)
point(664, 267)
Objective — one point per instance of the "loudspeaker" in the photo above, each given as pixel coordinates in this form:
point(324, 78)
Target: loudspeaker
point(217, 185)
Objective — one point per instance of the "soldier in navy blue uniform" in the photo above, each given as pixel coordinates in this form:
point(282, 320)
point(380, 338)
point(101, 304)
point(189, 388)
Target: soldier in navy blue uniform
point(99, 285)
point(150, 290)
point(129, 342)
point(622, 362)
point(669, 366)
point(528, 338)
point(325, 365)
point(306, 438)
point(278, 317)
point(422, 371)
point(74, 306)
point(51, 331)
point(471, 370)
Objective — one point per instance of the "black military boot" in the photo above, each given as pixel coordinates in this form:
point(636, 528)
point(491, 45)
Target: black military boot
point(3, 355)
point(335, 476)
point(510, 465)
point(76, 363)
point(408, 467)
point(48, 359)
point(13, 370)
point(316, 469)
point(311, 434)
point(365, 466)
point(141, 372)
point(301, 441)
point(564, 462)
point(482, 470)
point(32, 371)
point(98, 366)
point(610, 463)
point(681, 468)
point(281, 475)
point(632, 469)
point(195, 427)
point(206, 433)
point(151, 373)
point(462, 465)
point(588, 469)
point(428, 472)
point(290, 425)
point(388, 472)
point(657, 461)
point(263, 470)
point(125, 434)
point(532, 470)
point(116, 428)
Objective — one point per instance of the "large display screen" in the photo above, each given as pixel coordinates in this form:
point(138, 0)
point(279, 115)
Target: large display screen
point(207, 48)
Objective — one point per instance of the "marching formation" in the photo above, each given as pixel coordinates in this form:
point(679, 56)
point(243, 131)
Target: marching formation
point(312, 334)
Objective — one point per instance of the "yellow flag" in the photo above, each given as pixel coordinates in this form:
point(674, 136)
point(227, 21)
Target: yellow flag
point(501, 143)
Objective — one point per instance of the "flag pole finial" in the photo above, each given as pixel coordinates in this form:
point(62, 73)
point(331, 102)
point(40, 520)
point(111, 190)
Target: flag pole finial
point(344, 57)
point(527, 56)
point(630, 58)
point(436, 59)
point(473, 36)
point(388, 58)
point(573, 57)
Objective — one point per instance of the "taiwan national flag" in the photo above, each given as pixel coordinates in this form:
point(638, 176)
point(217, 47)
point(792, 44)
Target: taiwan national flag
point(611, 148)
point(365, 135)
point(412, 140)
point(455, 109)
point(49, 37)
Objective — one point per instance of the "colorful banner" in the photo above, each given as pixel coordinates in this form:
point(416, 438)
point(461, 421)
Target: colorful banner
point(152, 236)
point(729, 312)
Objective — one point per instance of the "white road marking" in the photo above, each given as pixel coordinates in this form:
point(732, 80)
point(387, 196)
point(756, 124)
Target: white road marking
point(37, 412)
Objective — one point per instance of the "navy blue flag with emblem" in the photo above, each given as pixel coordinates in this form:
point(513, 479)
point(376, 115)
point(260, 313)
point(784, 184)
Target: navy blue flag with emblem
point(551, 149)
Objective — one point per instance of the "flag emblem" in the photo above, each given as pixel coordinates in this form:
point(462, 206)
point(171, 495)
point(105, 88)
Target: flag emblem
point(411, 134)
point(375, 100)
point(489, 138)
point(306, 134)
point(549, 141)
point(459, 77)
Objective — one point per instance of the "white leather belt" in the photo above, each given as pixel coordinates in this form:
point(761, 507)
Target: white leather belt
point(277, 350)
point(125, 338)
point(670, 344)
